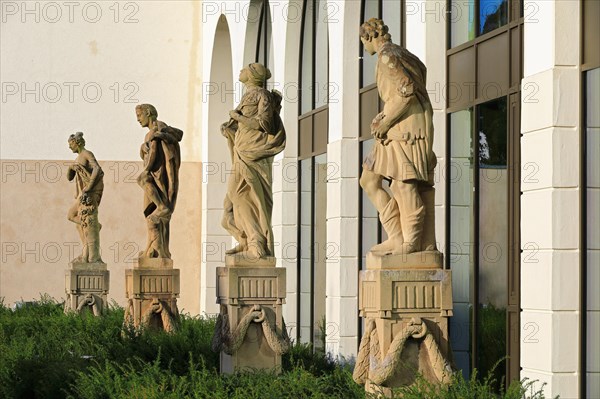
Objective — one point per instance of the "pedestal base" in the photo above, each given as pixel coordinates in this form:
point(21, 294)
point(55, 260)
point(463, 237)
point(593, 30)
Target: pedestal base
point(406, 308)
point(86, 285)
point(250, 332)
point(152, 289)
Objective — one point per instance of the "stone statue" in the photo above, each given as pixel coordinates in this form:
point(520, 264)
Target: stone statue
point(159, 179)
point(405, 296)
point(255, 134)
point(89, 185)
point(402, 153)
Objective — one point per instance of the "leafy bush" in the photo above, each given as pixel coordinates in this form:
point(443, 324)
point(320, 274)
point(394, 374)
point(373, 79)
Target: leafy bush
point(47, 354)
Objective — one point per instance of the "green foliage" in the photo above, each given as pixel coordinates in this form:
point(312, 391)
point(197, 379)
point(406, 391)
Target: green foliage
point(47, 354)
point(475, 387)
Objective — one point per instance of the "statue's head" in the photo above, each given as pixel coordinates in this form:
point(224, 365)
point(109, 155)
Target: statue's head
point(373, 33)
point(255, 75)
point(145, 114)
point(76, 142)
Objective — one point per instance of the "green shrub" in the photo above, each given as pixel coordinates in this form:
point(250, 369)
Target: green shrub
point(47, 354)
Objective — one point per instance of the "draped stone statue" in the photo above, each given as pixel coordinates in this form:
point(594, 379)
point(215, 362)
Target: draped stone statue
point(255, 134)
point(89, 185)
point(159, 179)
point(403, 149)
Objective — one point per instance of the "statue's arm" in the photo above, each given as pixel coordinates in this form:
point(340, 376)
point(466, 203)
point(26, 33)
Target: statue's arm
point(396, 109)
point(264, 115)
point(96, 171)
point(252, 123)
point(151, 156)
point(70, 173)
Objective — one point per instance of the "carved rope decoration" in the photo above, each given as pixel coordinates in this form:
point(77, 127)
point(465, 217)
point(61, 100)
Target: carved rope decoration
point(157, 307)
point(230, 342)
point(90, 300)
point(372, 365)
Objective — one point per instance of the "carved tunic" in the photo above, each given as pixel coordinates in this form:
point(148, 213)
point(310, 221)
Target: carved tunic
point(401, 84)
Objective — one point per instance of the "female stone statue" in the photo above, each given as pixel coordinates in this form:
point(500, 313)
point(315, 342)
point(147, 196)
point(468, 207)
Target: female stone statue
point(159, 179)
point(255, 134)
point(89, 187)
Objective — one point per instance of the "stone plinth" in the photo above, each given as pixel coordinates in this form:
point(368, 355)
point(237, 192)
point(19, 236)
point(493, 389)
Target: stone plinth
point(250, 332)
point(86, 285)
point(406, 301)
point(152, 289)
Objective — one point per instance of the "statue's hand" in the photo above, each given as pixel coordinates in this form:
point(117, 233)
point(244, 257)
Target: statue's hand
point(234, 114)
point(379, 130)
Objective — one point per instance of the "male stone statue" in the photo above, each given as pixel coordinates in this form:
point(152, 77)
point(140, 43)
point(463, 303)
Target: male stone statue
point(89, 186)
point(159, 179)
point(255, 134)
point(402, 153)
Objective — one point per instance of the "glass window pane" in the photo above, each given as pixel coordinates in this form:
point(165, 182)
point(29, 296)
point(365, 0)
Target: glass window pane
point(462, 22)
point(320, 247)
point(391, 15)
point(370, 10)
point(305, 248)
point(493, 238)
point(460, 173)
point(370, 220)
point(321, 54)
point(306, 74)
point(492, 14)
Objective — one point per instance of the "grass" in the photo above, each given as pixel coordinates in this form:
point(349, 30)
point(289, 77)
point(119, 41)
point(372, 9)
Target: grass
point(47, 354)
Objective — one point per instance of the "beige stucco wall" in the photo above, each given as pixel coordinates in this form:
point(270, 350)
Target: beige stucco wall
point(37, 241)
point(84, 66)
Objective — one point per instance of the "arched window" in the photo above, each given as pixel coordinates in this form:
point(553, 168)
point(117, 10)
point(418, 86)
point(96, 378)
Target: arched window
point(312, 145)
point(264, 39)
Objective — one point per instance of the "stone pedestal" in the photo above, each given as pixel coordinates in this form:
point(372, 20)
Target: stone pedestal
point(250, 332)
point(86, 285)
point(405, 301)
point(152, 289)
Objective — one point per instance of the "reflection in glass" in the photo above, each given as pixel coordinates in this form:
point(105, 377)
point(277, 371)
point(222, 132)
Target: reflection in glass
point(462, 22)
point(461, 235)
point(493, 238)
point(492, 14)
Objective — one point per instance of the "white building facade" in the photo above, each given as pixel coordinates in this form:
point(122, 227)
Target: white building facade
point(518, 228)
point(515, 88)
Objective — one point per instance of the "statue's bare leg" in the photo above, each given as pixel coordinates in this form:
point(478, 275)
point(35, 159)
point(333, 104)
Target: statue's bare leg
point(228, 223)
point(389, 213)
point(146, 182)
point(73, 216)
point(412, 214)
